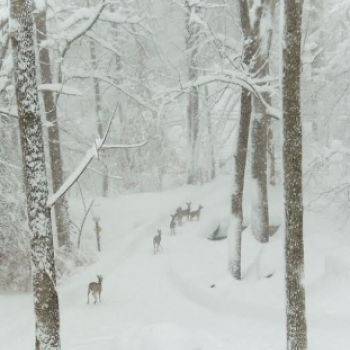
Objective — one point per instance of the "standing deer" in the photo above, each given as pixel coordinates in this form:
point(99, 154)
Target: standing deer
point(186, 212)
point(156, 241)
point(95, 289)
point(179, 216)
point(173, 224)
point(196, 213)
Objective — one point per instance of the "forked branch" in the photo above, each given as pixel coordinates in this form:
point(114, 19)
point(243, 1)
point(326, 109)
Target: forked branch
point(92, 153)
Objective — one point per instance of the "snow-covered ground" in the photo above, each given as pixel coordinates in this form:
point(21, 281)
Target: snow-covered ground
point(183, 297)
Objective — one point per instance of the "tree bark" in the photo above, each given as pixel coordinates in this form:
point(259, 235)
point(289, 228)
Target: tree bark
point(292, 153)
point(320, 91)
point(235, 232)
point(98, 109)
point(260, 68)
point(237, 195)
point(212, 171)
point(56, 161)
point(272, 156)
point(32, 143)
point(193, 101)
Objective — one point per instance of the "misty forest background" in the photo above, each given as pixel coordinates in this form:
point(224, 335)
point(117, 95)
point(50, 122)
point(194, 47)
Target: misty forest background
point(164, 78)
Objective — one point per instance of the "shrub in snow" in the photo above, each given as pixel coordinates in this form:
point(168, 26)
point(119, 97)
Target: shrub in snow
point(220, 232)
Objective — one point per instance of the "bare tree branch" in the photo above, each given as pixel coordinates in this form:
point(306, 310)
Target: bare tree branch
point(89, 156)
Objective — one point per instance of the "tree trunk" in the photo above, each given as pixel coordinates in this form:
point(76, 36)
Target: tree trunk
point(193, 101)
point(261, 34)
point(292, 153)
point(235, 237)
point(235, 232)
point(272, 156)
point(32, 143)
point(56, 162)
point(98, 109)
point(260, 207)
point(212, 171)
point(320, 91)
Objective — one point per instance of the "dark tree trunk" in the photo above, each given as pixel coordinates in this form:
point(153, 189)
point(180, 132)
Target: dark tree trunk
point(235, 236)
point(32, 143)
point(237, 195)
point(260, 206)
point(263, 12)
point(56, 162)
point(292, 154)
point(272, 156)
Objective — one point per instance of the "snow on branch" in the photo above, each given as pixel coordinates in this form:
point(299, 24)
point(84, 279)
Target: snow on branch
point(60, 88)
point(82, 28)
point(135, 145)
point(119, 18)
point(120, 87)
point(87, 18)
point(231, 77)
point(12, 112)
point(107, 45)
point(92, 153)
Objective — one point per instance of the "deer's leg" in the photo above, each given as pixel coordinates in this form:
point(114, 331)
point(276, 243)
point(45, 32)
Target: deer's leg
point(88, 295)
point(99, 296)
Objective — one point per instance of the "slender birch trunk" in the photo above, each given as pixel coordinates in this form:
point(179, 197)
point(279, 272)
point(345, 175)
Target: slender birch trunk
point(32, 143)
point(292, 154)
point(56, 161)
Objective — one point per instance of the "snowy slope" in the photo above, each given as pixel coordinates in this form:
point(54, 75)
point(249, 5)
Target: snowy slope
point(183, 298)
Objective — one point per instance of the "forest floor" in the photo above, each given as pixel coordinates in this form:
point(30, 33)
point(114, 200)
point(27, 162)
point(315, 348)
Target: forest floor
point(183, 297)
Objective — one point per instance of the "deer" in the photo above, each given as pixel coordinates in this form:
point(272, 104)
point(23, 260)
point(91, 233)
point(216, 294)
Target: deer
point(186, 212)
point(95, 289)
point(196, 213)
point(173, 223)
point(156, 241)
point(179, 216)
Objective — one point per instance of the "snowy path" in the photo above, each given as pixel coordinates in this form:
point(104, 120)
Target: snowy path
point(164, 302)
